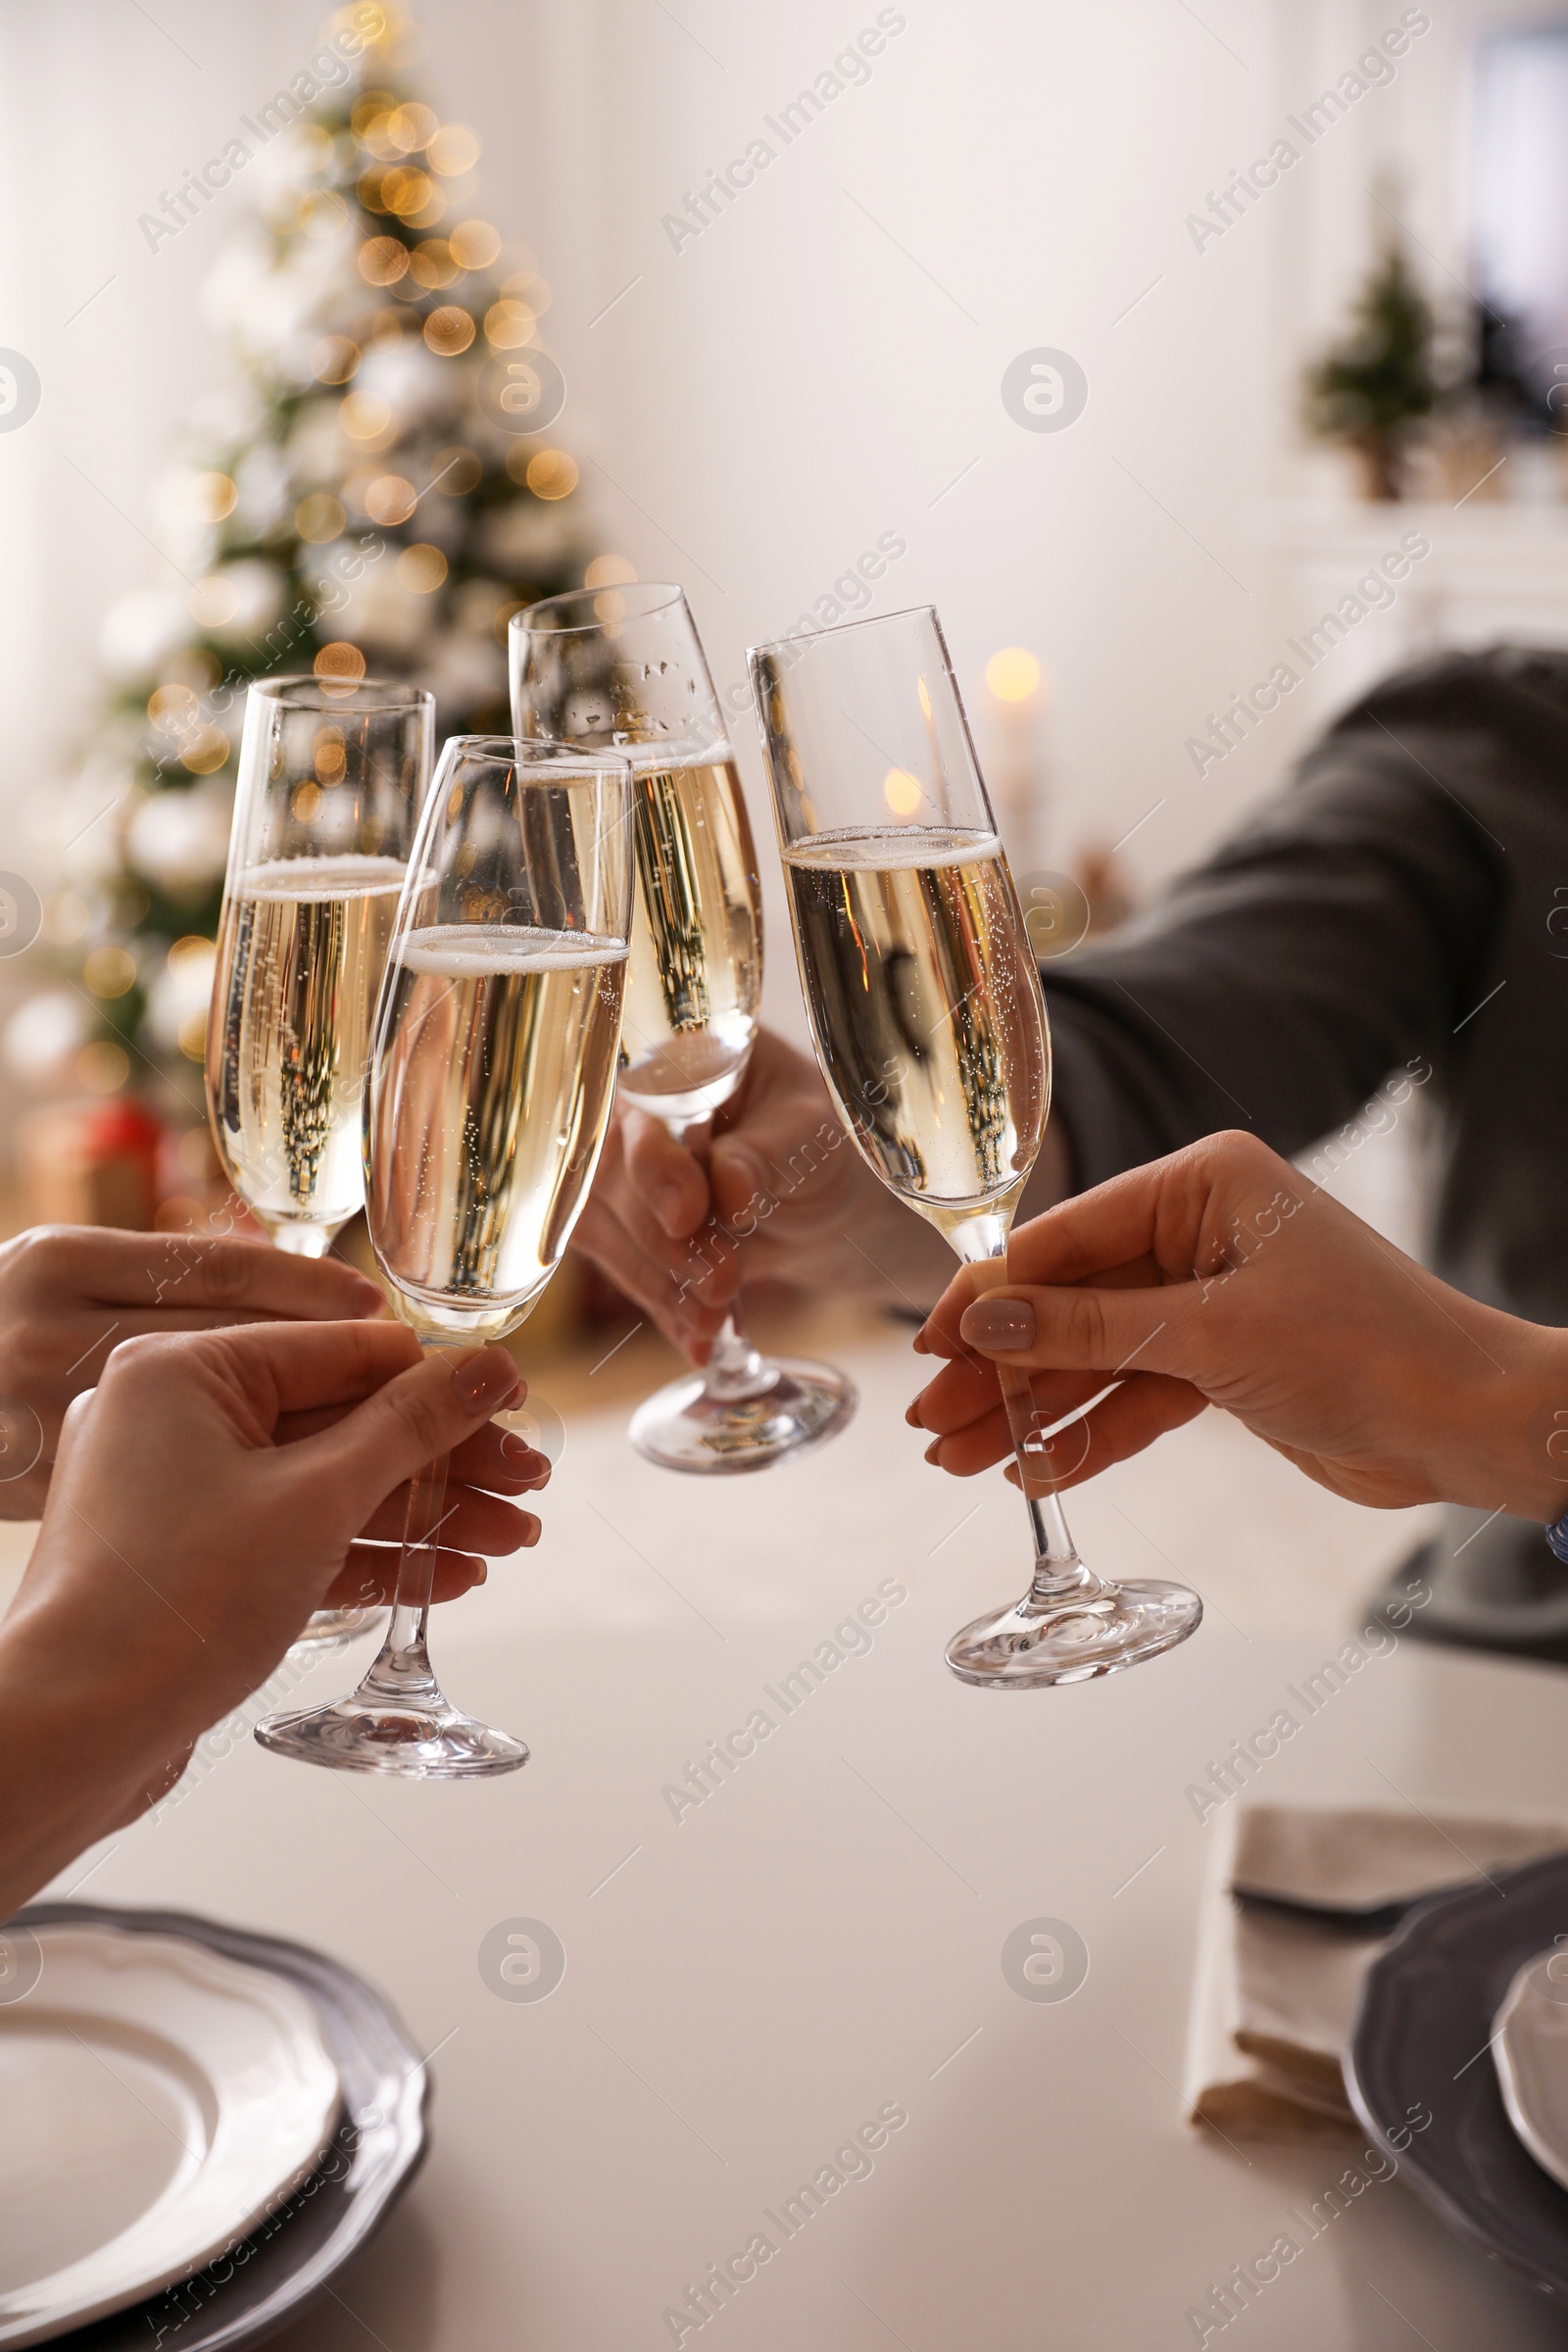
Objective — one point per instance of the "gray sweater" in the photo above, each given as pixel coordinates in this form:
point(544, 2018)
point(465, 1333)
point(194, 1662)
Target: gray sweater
point(1401, 907)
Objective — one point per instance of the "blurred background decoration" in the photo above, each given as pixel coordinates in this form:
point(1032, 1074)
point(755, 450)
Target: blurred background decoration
point(357, 497)
point(1373, 389)
point(765, 411)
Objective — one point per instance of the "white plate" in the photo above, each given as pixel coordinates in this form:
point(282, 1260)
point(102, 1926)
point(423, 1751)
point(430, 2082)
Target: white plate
point(158, 2099)
point(1530, 2044)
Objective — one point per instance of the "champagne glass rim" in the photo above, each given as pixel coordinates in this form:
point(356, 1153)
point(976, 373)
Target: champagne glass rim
point(654, 597)
point(846, 628)
point(542, 753)
point(306, 692)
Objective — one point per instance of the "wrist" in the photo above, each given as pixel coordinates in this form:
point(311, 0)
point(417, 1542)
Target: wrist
point(1521, 1461)
point(74, 1754)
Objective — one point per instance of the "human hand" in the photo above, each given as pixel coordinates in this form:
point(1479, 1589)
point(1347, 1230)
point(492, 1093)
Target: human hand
point(1222, 1276)
point(778, 1193)
point(70, 1293)
point(209, 1495)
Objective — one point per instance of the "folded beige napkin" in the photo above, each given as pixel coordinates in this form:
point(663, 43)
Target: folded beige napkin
point(1276, 1995)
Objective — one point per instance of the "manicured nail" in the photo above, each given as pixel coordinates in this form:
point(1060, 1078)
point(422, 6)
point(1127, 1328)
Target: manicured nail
point(532, 1536)
point(515, 1449)
point(486, 1380)
point(931, 1450)
point(1000, 1324)
point(921, 1343)
point(368, 1296)
point(912, 1416)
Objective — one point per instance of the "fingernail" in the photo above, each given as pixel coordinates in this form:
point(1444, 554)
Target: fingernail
point(912, 1416)
point(483, 1576)
point(485, 1379)
point(999, 1323)
point(516, 1450)
point(931, 1450)
point(370, 1296)
point(921, 1343)
point(532, 1537)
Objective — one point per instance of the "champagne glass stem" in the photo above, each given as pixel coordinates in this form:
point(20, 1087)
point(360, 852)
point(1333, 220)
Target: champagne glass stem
point(736, 1369)
point(302, 1239)
point(1059, 1575)
point(402, 1670)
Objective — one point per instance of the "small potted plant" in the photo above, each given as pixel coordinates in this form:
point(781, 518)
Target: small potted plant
point(1371, 389)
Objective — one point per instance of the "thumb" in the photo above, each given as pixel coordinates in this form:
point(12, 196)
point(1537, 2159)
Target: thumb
point(1081, 1330)
point(664, 1174)
point(744, 1190)
point(422, 1413)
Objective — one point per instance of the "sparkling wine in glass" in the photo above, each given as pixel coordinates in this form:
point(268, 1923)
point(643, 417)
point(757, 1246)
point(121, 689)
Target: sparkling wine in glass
point(331, 776)
point(624, 666)
point(930, 1027)
point(492, 1074)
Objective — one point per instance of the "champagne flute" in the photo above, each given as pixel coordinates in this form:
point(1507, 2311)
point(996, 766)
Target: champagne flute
point(492, 1067)
point(930, 1026)
point(331, 776)
point(624, 666)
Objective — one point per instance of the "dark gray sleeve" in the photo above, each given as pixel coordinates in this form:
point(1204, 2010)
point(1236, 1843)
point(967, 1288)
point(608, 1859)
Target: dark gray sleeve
point(1341, 934)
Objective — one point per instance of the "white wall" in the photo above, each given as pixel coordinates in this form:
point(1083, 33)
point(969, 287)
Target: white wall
point(821, 363)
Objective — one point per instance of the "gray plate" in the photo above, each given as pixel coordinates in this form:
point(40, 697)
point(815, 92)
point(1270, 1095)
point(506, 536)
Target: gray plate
point(1421, 2046)
point(271, 2277)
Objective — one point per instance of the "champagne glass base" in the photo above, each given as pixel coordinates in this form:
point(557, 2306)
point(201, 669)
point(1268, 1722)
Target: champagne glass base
point(416, 1742)
point(685, 1427)
point(326, 1631)
point(1031, 1645)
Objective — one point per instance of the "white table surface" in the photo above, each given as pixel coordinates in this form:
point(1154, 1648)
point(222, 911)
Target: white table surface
point(746, 1986)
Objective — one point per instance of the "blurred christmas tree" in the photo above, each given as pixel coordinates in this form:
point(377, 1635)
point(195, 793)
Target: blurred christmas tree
point(1377, 384)
point(374, 491)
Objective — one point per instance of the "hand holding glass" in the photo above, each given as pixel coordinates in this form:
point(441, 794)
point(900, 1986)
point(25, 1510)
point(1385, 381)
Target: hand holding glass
point(492, 1073)
point(624, 666)
point(930, 1027)
point(331, 777)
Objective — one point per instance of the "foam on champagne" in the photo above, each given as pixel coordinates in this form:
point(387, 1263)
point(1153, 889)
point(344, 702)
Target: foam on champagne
point(893, 849)
point(491, 951)
point(310, 881)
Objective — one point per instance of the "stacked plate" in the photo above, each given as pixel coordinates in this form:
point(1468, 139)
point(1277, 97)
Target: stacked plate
point(1459, 2062)
point(201, 2127)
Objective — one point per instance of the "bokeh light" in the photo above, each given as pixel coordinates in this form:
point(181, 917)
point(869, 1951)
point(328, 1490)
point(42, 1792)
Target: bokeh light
point(552, 474)
point(1012, 675)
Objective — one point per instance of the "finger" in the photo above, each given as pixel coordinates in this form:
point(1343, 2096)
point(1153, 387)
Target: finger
point(1131, 1418)
point(942, 1333)
point(306, 1367)
point(418, 1414)
point(181, 1274)
point(500, 1460)
point(368, 1577)
point(1081, 1329)
point(966, 1389)
point(679, 1304)
point(471, 1520)
point(496, 1459)
point(978, 1445)
point(623, 1233)
point(663, 1174)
